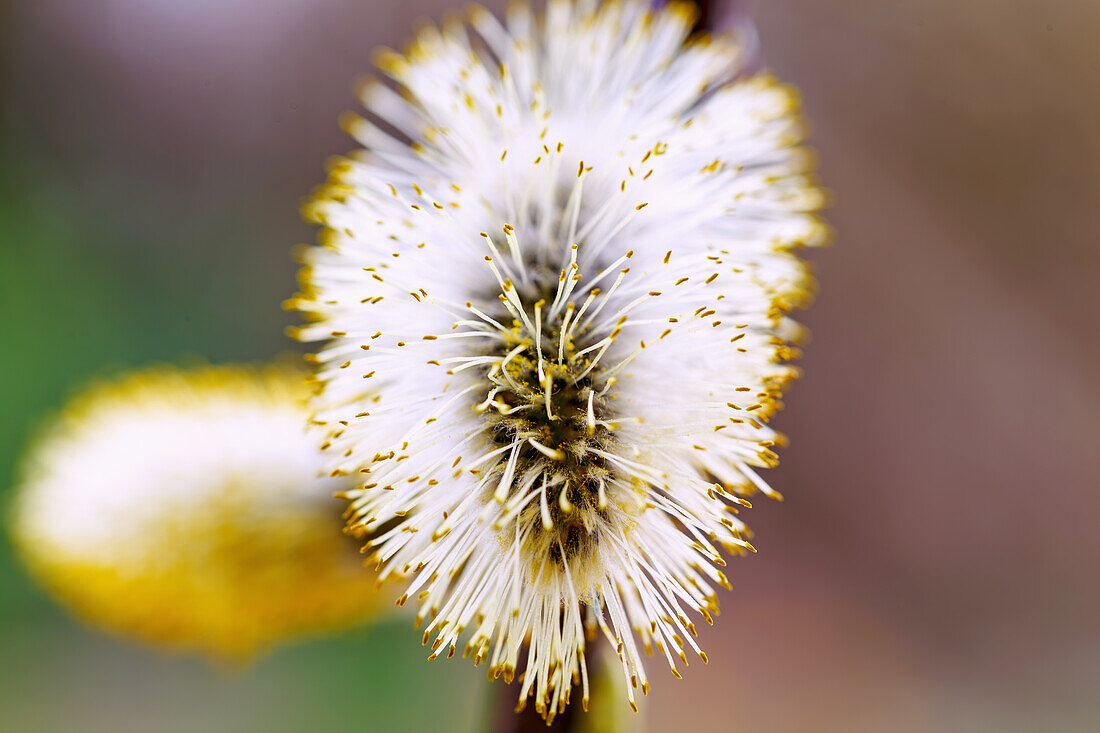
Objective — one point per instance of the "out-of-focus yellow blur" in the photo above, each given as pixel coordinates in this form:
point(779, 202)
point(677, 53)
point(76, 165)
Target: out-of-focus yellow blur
point(189, 509)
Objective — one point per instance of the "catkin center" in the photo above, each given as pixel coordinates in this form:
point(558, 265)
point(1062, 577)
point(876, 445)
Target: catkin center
point(544, 401)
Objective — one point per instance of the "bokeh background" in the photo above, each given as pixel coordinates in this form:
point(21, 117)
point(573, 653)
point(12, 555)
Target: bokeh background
point(935, 565)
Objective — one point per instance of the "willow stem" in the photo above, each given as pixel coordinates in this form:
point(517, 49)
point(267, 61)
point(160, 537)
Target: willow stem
point(708, 9)
point(505, 719)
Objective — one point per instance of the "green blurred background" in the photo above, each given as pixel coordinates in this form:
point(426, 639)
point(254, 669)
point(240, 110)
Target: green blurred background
point(934, 565)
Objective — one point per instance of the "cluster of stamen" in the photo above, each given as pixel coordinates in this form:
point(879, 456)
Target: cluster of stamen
point(548, 404)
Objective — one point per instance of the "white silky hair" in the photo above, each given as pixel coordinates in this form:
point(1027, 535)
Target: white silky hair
point(570, 224)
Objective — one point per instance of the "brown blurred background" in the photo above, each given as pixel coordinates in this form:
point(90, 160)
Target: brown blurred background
point(934, 567)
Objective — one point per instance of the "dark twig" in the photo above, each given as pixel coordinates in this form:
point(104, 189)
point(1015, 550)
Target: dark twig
point(506, 720)
point(570, 720)
point(708, 10)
